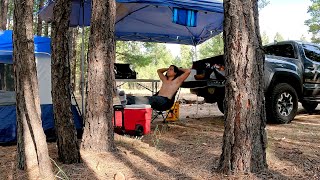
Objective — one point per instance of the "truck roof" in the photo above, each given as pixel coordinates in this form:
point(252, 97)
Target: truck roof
point(290, 42)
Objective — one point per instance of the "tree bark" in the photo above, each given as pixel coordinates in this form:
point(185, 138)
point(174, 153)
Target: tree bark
point(244, 139)
point(3, 14)
point(98, 132)
point(39, 26)
point(68, 148)
point(32, 147)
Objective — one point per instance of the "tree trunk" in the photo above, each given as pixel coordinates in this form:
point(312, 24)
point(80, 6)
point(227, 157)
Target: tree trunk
point(68, 148)
point(98, 132)
point(32, 147)
point(3, 14)
point(39, 26)
point(74, 58)
point(244, 139)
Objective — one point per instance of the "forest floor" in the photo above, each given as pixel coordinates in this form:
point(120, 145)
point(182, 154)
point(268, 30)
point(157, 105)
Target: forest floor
point(189, 149)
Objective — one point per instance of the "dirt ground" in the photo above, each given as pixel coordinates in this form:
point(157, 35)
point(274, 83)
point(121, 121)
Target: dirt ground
point(189, 149)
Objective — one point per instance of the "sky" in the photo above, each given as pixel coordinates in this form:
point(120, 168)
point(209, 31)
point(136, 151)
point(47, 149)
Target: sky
point(284, 16)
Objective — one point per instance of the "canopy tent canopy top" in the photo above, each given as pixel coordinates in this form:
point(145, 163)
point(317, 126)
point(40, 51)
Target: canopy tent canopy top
point(152, 20)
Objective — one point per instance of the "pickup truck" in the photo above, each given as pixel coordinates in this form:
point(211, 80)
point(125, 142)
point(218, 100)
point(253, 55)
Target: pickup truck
point(291, 75)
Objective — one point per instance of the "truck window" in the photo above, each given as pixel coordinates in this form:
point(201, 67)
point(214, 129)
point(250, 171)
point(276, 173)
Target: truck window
point(283, 50)
point(312, 52)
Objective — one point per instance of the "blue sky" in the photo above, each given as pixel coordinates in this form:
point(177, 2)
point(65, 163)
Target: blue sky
point(286, 17)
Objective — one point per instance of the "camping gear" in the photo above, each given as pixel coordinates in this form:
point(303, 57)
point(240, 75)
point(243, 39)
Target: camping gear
point(7, 95)
point(173, 112)
point(132, 119)
point(150, 21)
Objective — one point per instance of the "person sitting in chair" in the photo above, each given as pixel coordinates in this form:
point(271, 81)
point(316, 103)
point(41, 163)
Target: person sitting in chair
point(165, 97)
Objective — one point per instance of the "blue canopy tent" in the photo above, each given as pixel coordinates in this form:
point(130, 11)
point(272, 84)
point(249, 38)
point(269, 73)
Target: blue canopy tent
point(152, 20)
point(7, 95)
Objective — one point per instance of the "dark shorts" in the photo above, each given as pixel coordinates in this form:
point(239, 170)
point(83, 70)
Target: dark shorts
point(157, 102)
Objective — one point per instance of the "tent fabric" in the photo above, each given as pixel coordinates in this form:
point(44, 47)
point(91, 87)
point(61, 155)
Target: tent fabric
point(8, 127)
point(151, 21)
point(43, 62)
point(41, 44)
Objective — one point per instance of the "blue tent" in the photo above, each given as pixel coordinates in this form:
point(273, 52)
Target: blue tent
point(41, 45)
point(153, 20)
point(7, 98)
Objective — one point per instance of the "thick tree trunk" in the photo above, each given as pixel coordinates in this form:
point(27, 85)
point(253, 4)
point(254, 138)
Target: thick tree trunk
point(3, 14)
point(32, 147)
point(98, 133)
point(244, 140)
point(68, 148)
point(39, 26)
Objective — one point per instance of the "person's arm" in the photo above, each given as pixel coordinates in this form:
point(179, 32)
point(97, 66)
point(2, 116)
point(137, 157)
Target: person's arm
point(183, 76)
point(160, 73)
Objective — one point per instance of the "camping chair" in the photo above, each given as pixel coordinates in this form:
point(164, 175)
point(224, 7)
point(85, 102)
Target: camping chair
point(166, 111)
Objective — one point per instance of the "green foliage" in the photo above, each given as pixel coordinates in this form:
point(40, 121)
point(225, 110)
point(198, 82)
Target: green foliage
point(264, 38)
point(10, 14)
point(278, 37)
point(132, 52)
point(186, 56)
point(160, 57)
point(212, 47)
point(314, 21)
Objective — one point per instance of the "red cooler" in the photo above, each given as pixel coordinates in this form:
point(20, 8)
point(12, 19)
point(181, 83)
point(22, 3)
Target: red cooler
point(132, 119)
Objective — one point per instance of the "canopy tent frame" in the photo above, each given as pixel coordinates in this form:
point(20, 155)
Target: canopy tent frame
point(149, 21)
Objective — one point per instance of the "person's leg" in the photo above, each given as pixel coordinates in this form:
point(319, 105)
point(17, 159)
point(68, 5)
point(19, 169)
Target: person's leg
point(159, 103)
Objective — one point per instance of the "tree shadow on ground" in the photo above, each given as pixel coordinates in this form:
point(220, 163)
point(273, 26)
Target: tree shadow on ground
point(69, 171)
point(307, 165)
point(157, 165)
point(303, 111)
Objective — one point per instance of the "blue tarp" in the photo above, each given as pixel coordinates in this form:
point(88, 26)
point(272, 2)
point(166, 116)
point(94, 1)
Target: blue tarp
point(151, 21)
point(8, 127)
point(41, 45)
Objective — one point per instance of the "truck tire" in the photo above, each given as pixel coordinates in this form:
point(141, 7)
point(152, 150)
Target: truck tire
point(309, 106)
point(220, 106)
point(282, 104)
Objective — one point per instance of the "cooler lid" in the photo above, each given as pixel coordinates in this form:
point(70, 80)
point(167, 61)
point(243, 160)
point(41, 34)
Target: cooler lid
point(138, 106)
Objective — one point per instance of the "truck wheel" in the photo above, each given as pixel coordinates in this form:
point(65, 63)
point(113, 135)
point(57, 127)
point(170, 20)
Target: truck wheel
point(309, 106)
point(220, 106)
point(282, 104)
